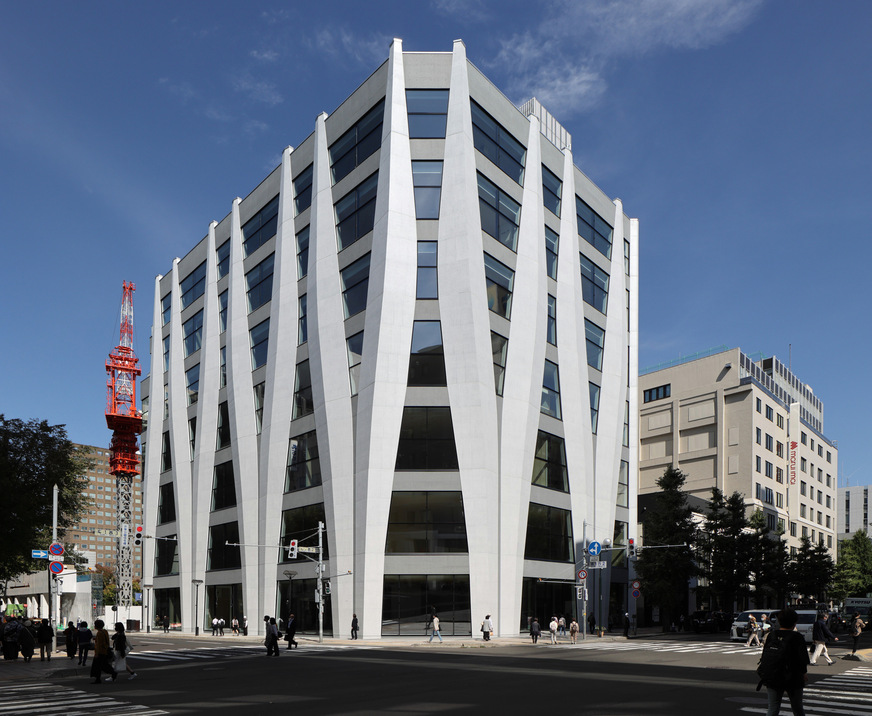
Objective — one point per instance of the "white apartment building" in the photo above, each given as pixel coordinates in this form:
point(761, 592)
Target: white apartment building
point(853, 510)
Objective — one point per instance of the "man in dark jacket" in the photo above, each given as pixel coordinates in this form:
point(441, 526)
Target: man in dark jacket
point(819, 635)
point(292, 631)
point(794, 677)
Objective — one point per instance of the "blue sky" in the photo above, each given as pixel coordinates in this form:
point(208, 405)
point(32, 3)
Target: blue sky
point(737, 132)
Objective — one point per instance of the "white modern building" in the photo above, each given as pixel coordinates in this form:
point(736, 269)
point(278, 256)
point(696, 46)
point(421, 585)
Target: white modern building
point(853, 511)
point(744, 424)
point(420, 330)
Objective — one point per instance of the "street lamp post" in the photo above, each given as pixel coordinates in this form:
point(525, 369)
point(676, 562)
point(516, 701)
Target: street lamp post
point(196, 583)
point(147, 588)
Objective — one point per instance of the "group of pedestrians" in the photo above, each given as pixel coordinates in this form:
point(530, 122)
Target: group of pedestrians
point(273, 635)
point(22, 636)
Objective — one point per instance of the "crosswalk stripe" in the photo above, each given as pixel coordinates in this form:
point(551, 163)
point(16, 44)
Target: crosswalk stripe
point(55, 700)
point(846, 694)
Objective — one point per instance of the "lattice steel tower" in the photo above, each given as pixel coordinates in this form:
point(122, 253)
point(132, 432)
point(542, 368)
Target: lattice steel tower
point(125, 422)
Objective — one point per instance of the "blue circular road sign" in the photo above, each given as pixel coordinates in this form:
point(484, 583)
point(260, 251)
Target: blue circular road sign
point(56, 567)
point(594, 548)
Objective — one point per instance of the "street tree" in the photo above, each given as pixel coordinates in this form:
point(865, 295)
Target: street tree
point(665, 572)
point(767, 562)
point(853, 576)
point(810, 570)
point(723, 559)
point(35, 456)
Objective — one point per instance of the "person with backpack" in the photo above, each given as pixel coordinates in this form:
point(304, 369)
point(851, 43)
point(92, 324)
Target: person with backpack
point(783, 665)
point(820, 633)
point(753, 632)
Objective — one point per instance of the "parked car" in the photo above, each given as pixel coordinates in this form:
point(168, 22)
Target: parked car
point(739, 627)
point(807, 618)
point(711, 622)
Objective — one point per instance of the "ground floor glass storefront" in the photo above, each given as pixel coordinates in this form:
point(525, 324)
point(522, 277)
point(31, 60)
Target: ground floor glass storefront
point(167, 603)
point(223, 601)
point(297, 597)
point(544, 600)
point(411, 600)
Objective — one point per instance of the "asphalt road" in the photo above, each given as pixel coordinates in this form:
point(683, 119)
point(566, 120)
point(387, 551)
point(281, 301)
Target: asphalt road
point(640, 677)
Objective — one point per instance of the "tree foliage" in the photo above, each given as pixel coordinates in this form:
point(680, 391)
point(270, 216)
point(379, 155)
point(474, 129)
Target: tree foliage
point(723, 550)
point(110, 585)
point(665, 573)
point(767, 562)
point(853, 576)
point(34, 456)
point(811, 570)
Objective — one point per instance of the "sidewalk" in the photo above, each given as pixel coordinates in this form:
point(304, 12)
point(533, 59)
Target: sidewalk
point(60, 666)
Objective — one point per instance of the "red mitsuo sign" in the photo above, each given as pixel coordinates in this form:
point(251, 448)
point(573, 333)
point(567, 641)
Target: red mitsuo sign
point(793, 462)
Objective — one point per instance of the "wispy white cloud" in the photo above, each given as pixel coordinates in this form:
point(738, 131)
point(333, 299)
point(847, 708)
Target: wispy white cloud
point(265, 55)
point(565, 59)
point(256, 89)
point(254, 127)
point(343, 45)
point(464, 10)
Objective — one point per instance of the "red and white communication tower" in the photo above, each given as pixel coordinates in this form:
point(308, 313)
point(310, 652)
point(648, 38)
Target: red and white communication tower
point(125, 422)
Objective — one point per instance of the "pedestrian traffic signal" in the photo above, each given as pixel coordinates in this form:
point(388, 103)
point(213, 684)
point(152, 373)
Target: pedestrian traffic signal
point(326, 586)
point(138, 534)
point(292, 549)
point(631, 548)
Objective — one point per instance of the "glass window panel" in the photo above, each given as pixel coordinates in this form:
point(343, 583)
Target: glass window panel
point(223, 487)
point(259, 336)
point(596, 339)
point(499, 347)
point(222, 556)
point(427, 101)
point(192, 378)
point(594, 284)
point(426, 522)
point(303, 327)
point(301, 523)
point(303, 401)
point(497, 144)
point(354, 347)
point(166, 304)
point(549, 534)
point(222, 311)
point(549, 463)
point(223, 255)
point(358, 143)
point(259, 281)
point(223, 439)
point(552, 321)
point(304, 464)
point(427, 363)
point(499, 279)
point(192, 333)
point(594, 406)
point(426, 440)
point(261, 227)
point(303, 190)
point(551, 391)
point(303, 253)
point(355, 283)
point(593, 228)
point(193, 285)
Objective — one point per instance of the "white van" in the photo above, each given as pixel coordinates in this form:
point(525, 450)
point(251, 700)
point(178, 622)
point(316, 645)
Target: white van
point(807, 618)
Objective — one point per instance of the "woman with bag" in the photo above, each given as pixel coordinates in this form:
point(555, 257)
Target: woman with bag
point(121, 648)
point(71, 634)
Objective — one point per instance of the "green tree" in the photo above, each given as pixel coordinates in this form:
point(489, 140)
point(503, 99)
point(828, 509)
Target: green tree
point(665, 573)
point(34, 456)
point(110, 585)
point(723, 560)
point(767, 562)
point(810, 570)
point(853, 576)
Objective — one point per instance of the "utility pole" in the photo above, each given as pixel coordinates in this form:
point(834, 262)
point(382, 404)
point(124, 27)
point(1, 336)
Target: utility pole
point(320, 582)
point(51, 578)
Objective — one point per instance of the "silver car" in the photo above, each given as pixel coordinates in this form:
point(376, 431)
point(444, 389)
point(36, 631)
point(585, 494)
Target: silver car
point(739, 629)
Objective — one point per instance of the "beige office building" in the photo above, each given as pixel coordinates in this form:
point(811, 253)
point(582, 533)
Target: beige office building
point(742, 424)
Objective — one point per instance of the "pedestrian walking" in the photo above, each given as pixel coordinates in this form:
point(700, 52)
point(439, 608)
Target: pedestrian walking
point(221, 624)
point(573, 632)
point(214, 626)
point(71, 638)
point(86, 642)
point(561, 625)
point(856, 628)
point(552, 630)
point(272, 637)
point(784, 664)
point(820, 634)
point(535, 630)
point(591, 623)
point(354, 624)
point(626, 625)
point(166, 624)
point(121, 647)
point(100, 663)
point(487, 627)
point(45, 637)
point(234, 625)
point(753, 632)
point(435, 627)
point(244, 626)
point(292, 631)
point(27, 640)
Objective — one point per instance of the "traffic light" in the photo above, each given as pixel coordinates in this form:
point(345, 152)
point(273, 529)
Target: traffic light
point(631, 548)
point(292, 549)
point(326, 586)
point(138, 535)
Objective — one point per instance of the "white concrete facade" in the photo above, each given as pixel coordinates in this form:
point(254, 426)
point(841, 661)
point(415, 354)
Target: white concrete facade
point(359, 423)
point(853, 510)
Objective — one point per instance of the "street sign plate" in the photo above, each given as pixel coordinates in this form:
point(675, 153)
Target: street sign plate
point(582, 574)
point(636, 594)
point(56, 548)
point(55, 558)
point(107, 533)
point(56, 567)
point(594, 548)
point(636, 584)
point(312, 550)
point(597, 565)
point(38, 554)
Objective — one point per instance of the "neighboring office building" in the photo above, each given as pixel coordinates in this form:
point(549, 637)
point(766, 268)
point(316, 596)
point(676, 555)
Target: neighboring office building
point(420, 329)
point(853, 511)
point(101, 488)
point(743, 425)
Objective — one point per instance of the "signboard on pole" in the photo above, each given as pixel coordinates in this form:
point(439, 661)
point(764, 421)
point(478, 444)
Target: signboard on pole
point(598, 565)
point(582, 574)
point(56, 567)
point(636, 584)
point(636, 594)
point(55, 558)
point(38, 554)
point(56, 548)
point(594, 548)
